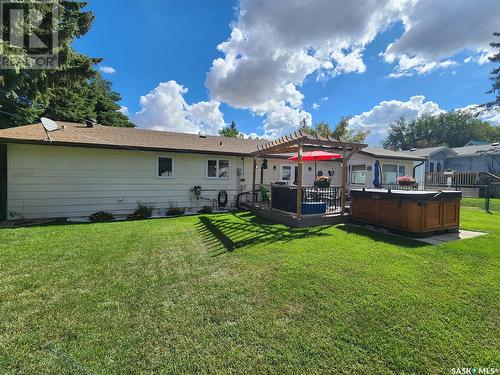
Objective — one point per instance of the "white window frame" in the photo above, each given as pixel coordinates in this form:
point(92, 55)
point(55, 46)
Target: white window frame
point(218, 169)
point(157, 170)
point(290, 181)
point(351, 171)
point(397, 172)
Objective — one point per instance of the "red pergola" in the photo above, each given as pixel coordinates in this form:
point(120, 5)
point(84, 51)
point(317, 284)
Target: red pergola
point(300, 142)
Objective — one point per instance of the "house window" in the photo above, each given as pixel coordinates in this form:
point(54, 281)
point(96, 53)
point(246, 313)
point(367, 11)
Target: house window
point(286, 172)
point(438, 167)
point(431, 167)
point(358, 174)
point(218, 168)
point(165, 167)
point(389, 173)
point(401, 171)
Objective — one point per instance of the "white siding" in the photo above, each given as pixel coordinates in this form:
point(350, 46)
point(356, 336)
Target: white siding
point(359, 159)
point(53, 181)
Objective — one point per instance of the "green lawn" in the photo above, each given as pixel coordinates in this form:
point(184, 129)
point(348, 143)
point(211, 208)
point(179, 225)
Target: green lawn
point(231, 294)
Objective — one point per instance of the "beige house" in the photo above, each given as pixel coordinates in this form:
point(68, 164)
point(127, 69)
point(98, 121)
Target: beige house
point(80, 169)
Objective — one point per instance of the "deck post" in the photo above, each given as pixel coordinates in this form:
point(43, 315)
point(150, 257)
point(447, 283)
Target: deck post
point(253, 179)
point(343, 183)
point(299, 181)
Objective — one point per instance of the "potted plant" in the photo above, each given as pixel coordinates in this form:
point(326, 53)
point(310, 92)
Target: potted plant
point(449, 172)
point(406, 180)
point(322, 182)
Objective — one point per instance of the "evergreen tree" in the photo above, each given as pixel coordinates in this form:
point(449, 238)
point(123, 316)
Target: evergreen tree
point(66, 92)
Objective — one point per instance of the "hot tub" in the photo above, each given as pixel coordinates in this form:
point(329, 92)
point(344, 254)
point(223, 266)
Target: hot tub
point(414, 212)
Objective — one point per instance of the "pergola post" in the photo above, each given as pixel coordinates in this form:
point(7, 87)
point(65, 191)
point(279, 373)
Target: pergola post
point(253, 179)
point(299, 181)
point(343, 183)
point(345, 158)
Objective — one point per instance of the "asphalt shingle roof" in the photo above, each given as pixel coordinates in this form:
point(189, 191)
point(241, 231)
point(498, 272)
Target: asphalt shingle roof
point(382, 152)
point(74, 134)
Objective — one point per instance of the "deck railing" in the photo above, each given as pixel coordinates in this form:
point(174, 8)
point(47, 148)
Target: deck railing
point(461, 179)
point(314, 200)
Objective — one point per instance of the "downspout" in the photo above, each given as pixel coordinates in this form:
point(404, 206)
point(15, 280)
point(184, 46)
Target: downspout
point(414, 169)
point(416, 166)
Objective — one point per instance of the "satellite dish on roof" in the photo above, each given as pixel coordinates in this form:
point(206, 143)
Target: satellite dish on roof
point(48, 124)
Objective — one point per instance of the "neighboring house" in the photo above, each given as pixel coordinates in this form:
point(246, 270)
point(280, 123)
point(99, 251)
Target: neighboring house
point(80, 169)
point(480, 158)
point(472, 157)
point(436, 157)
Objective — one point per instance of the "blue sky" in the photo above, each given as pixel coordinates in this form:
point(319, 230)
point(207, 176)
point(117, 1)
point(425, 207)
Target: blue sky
point(153, 41)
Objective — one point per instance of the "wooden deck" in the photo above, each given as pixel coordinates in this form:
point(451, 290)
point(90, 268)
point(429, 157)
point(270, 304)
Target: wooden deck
point(290, 219)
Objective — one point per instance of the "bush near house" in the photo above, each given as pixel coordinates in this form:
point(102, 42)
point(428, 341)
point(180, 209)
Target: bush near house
point(142, 212)
point(101, 216)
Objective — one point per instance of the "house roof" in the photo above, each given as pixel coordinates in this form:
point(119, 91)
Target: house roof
point(388, 154)
point(75, 134)
point(476, 150)
point(426, 152)
point(474, 142)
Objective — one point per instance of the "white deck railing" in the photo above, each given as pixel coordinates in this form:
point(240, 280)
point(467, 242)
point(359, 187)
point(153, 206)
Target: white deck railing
point(463, 179)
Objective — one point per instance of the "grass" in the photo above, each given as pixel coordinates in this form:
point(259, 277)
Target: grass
point(232, 294)
point(480, 202)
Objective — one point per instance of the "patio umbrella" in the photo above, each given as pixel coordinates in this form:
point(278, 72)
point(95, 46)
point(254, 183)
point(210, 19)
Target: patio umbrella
point(315, 156)
point(376, 168)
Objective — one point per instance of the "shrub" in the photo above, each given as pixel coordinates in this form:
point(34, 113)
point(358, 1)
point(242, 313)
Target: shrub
point(141, 212)
point(205, 210)
point(101, 216)
point(175, 211)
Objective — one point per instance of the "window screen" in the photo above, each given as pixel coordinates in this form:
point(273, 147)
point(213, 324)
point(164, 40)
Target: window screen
point(358, 175)
point(165, 167)
point(389, 173)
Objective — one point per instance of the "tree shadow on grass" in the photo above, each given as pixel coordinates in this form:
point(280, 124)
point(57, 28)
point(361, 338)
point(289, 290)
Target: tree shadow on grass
point(224, 234)
point(386, 237)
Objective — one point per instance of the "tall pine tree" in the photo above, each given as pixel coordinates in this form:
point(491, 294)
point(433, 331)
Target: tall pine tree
point(73, 91)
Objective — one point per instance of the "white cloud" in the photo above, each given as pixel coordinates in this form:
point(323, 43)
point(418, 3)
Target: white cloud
point(123, 109)
point(378, 119)
point(324, 98)
point(315, 106)
point(107, 69)
point(165, 108)
point(274, 47)
point(409, 65)
point(435, 31)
